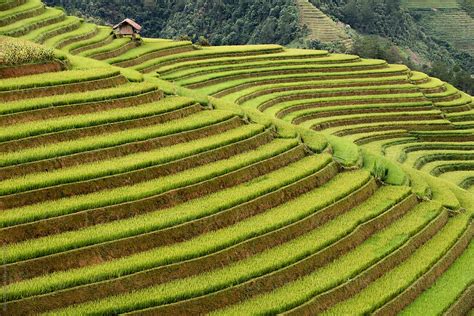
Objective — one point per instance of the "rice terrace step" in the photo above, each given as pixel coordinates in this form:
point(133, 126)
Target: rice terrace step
point(158, 177)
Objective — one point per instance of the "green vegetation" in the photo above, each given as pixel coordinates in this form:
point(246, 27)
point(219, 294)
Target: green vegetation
point(205, 52)
point(30, 5)
point(338, 271)
point(42, 34)
point(26, 25)
point(146, 223)
point(92, 119)
point(151, 46)
point(52, 79)
point(301, 247)
point(405, 31)
point(200, 246)
point(102, 35)
point(188, 62)
point(76, 98)
point(399, 278)
point(431, 36)
point(447, 288)
point(88, 171)
point(106, 48)
point(83, 30)
point(142, 190)
point(254, 179)
point(17, 52)
point(113, 139)
point(450, 4)
point(227, 24)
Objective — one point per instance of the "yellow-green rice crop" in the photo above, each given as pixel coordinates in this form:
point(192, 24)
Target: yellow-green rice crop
point(342, 269)
point(30, 23)
point(447, 288)
point(52, 78)
point(361, 65)
point(273, 219)
point(196, 121)
point(17, 52)
point(147, 47)
point(39, 35)
point(115, 44)
point(398, 279)
point(127, 163)
point(260, 64)
point(102, 35)
point(394, 70)
point(29, 5)
point(127, 90)
point(34, 128)
point(154, 221)
point(142, 190)
point(84, 29)
point(204, 52)
point(260, 264)
point(315, 55)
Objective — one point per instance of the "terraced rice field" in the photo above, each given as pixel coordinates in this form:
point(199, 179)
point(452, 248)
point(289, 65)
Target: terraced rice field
point(165, 178)
point(436, 4)
point(320, 26)
point(445, 20)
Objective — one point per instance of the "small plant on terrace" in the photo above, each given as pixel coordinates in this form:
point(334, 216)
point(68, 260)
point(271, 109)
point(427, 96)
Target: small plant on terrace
point(17, 52)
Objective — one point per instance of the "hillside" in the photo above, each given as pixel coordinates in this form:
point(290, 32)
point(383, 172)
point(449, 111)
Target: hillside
point(160, 177)
point(221, 22)
point(446, 20)
point(321, 27)
point(384, 29)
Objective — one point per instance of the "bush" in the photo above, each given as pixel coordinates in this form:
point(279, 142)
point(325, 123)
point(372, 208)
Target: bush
point(185, 38)
point(373, 46)
point(202, 41)
point(333, 47)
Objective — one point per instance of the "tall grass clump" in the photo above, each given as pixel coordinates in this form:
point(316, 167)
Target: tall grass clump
point(15, 52)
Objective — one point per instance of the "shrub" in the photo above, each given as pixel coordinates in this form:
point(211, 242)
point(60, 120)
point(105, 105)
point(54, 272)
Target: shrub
point(202, 41)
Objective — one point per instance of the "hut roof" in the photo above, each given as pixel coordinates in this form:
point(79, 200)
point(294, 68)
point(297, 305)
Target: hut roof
point(134, 24)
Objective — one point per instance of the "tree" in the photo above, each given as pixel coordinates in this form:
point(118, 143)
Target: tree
point(221, 22)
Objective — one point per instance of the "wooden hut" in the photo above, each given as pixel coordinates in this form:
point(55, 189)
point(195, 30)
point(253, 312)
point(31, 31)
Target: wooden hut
point(127, 27)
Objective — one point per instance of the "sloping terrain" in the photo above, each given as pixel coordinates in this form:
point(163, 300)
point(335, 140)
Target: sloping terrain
point(445, 20)
point(320, 26)
point(165, 178)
